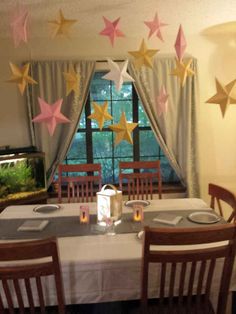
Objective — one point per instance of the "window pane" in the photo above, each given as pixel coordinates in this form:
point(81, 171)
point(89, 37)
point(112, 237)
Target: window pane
point(168, 174)
point(118, 107)
point(82, 122)
point(143, 119)
point(124, 93)
point(107, 169)
point(102, 144)
point(100, 89)
point(148, 144)
point(124, 149)
point(78, 147)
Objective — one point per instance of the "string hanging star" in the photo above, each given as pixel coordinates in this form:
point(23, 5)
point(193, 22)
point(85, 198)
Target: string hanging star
point(72, 81)
point(155, 27)
point(100, 114)
point(180, 44)
point(162, 101)
point(118, 74)
point(21, 76)
point(183, 70)
point(123, 130)
point(143, 56)
point(61, 25)
point(111, 30)
point(19, 28)
point(224, 96)
point(51, 115)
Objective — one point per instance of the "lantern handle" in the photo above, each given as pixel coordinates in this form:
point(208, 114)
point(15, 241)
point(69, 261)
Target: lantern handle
point(110, 185)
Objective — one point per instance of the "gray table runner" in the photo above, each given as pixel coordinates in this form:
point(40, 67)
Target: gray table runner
point(70, 226)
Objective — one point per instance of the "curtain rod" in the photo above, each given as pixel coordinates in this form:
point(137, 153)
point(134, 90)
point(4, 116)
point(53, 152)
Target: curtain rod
point(100, 61)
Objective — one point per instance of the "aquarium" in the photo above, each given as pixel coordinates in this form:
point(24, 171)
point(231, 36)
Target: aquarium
point(22, 175)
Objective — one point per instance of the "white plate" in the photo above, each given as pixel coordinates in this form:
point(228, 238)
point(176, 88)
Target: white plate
point(204, 218)
point(47, 208)
point(137, 202)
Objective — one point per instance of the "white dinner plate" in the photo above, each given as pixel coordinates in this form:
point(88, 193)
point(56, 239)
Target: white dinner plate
point(47, 208)
point(137, 202)
point(204, 218)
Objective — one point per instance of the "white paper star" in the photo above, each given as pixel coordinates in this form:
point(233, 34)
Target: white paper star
point(118, 74)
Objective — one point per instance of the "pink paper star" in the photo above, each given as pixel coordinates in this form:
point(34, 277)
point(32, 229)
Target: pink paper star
point(50, 114)
point(180, 44)
point(155, 26)
point(19, 28)
point(162, 101)
point(111, 30)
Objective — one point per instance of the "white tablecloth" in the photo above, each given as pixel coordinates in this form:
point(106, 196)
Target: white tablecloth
point(100, 268)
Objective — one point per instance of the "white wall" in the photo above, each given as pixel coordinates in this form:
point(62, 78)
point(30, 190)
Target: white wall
point(216, 56)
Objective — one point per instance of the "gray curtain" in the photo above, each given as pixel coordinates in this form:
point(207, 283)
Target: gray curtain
point(175, 130)
point(51, 86)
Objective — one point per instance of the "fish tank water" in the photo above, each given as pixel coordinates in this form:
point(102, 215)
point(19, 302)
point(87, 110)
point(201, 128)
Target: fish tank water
point(22, 175)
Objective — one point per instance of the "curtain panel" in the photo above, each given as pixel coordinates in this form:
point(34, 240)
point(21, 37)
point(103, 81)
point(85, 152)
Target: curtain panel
point(175, 130)
point(51, 87)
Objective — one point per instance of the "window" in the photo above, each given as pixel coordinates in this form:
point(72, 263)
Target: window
point(90, 145)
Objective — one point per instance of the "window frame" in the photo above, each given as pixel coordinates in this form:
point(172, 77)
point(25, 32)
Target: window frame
point(88, 130)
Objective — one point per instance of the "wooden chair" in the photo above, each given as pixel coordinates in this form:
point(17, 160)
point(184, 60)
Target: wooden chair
point(141, 178)
point(21, 281)
point(81, 182)
point(185, 276)
point(219, 194)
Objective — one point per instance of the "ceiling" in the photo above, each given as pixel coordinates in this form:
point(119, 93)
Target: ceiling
point(194, 15)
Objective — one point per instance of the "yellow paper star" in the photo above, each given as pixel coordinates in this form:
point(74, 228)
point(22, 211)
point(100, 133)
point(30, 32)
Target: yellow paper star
point(72, 81)
point(225, 96)
point(183, 70)
point(143, 56)
point(123, 130)
point(21, 76)
point(100, 114)
point(62, 25)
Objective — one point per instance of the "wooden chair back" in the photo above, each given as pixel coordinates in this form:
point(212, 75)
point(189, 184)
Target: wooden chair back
point(219, 194)
point(81, 182)
point(187, 272)
point(21, 274)
point(140, 177)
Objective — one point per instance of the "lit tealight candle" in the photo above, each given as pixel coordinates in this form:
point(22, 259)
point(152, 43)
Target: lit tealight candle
point(84, 214)
point(138, 213)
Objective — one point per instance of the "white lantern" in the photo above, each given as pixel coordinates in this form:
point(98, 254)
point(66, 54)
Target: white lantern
point(109, 203)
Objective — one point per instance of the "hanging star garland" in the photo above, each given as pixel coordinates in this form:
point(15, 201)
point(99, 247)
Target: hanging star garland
point(180, 44)
point(224, 96)
point(123, 130)
point(51, 115)
point(100, 114)
point(111, 30)
point(61, 25)
point(19, 27)
point(143, 56)
point(72, 81)
point(118, 74)
point(162, 101)
point(183, 70)
point(155, 27)
point(21, 76)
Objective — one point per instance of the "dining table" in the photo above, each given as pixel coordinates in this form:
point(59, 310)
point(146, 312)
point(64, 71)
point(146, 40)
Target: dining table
point(98, 267)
